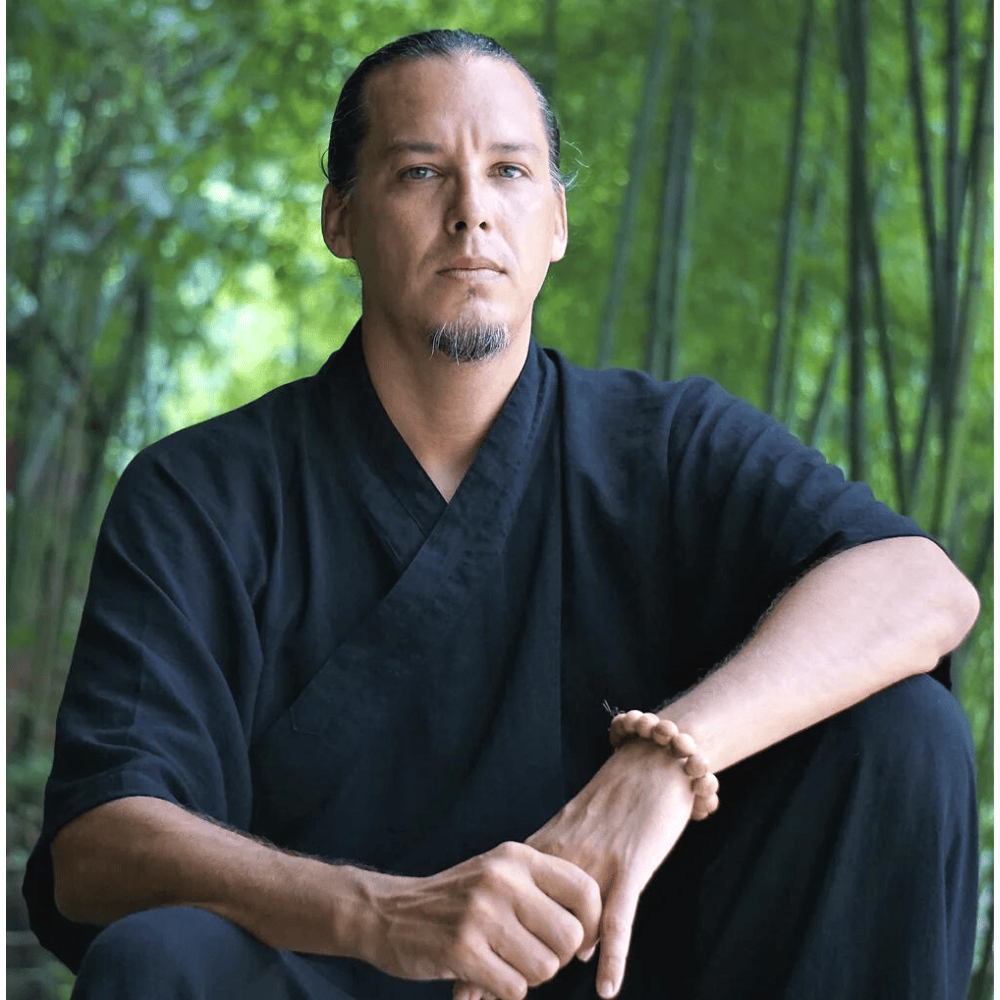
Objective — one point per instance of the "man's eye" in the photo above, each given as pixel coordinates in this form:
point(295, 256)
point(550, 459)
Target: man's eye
point(418, 173)
point(509, 171)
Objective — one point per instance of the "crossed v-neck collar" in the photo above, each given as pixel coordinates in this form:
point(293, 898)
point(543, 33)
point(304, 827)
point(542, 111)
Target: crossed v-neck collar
point(399, 496)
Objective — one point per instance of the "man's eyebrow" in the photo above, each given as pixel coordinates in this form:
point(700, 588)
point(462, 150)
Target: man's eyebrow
point(514, 147)
point(405, 146)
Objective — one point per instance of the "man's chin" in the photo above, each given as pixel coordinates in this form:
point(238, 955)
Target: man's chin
point(469, 339)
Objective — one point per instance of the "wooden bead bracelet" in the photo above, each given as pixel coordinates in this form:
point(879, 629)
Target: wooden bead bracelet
point(705, 785)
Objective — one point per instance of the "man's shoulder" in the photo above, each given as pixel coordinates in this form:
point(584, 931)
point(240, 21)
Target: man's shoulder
point(618, 401)
point(234, 454)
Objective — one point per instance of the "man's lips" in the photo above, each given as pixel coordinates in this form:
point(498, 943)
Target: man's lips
point(472, 268)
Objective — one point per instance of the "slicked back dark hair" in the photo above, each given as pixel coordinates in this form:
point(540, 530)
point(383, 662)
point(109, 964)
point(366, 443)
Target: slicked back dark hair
point(350, 120)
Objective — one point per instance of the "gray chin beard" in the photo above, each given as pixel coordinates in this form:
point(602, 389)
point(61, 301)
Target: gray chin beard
point(468, 341)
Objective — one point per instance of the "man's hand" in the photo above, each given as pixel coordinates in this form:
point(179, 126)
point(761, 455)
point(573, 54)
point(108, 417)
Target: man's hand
point(506, 920)
point(619, 829)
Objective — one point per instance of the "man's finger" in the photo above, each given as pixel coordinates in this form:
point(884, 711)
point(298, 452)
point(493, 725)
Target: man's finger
point(466, 991)
point(507, 981)
point(572, 888)
point(616, 935)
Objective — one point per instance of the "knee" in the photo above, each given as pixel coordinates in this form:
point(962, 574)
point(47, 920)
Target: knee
point(176, 952)
point(916, 722)
point(914, 740)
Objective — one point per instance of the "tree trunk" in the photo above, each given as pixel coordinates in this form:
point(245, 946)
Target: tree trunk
point(655, 65)
point(788, 224)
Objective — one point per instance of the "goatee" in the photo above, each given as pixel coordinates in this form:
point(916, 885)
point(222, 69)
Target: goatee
point(468, 340)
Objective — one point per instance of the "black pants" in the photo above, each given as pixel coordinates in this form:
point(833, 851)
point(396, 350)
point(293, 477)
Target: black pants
point(842, 864)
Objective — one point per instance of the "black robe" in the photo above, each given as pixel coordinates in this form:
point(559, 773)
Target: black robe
point(288, 628)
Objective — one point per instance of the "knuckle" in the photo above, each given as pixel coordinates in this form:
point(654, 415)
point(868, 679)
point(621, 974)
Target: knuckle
point(574, 936)
point(463, 941)
point(489, 878)
point(613, 927)
point(592, 892)
point(517, 989)
point(477, 912)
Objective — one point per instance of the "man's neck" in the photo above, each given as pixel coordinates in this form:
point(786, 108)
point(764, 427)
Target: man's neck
point(441, 408)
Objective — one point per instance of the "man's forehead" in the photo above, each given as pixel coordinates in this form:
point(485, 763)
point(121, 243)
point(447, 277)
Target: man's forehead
point(412, 94)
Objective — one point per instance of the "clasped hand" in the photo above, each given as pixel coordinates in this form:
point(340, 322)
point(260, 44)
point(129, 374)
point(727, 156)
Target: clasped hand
point(508, 919)
point(618, 829)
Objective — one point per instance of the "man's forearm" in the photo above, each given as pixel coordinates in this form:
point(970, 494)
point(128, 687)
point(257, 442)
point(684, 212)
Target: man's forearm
point(509, 918)
point(852, 626)
point(138, 853)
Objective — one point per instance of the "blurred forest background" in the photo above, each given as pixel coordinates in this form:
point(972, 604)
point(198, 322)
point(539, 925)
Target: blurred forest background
point(792, 196)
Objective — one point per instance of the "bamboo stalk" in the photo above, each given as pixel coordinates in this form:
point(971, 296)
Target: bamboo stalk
point(976, 574)
point(789, 216)
point(817, 208)
point(46, 659)
point(981, 986)
point(942, 374)
point(655, 66)
point(954, 416)
point(678, 237)
point(984, 550)
point(658, 348)
point(814, 427)
point(675, 193)
point(923, 147)
point(885, 357)
point(855, 14)
point(549, 47)
point(984, 83)
point(952, 178)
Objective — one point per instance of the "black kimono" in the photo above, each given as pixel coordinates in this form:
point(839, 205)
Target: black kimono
point(276, 589)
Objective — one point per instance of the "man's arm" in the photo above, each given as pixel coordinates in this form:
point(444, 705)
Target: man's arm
point(855, 624)
point(509, 918)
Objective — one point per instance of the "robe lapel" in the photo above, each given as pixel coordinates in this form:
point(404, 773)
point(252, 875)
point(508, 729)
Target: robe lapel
point(384, 676)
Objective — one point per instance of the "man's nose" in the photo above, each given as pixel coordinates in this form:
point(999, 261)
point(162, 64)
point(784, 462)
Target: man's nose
point(470, 207)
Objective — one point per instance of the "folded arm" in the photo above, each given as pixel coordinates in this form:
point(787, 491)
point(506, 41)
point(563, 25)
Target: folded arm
point(853, 625)
point(508, 918)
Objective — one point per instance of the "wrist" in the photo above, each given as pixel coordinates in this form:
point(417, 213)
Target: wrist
point(358, 909)
point(661, 733)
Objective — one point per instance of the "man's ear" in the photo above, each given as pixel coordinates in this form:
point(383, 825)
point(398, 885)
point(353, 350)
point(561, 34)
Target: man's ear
point(334, 220)
point(560, 237)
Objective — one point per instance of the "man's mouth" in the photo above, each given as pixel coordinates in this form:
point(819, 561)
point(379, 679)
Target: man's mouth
point(472, 269)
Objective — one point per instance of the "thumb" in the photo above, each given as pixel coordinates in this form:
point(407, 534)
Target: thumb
point(616, 935)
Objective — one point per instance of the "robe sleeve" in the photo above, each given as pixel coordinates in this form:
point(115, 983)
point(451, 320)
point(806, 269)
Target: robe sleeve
point(750, 509)
point(159, 698)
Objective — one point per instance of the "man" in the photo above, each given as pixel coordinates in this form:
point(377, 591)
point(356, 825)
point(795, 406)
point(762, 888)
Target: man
point(374, 615)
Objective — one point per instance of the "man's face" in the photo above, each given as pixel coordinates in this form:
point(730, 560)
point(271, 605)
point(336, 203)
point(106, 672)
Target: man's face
point(454, 218)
